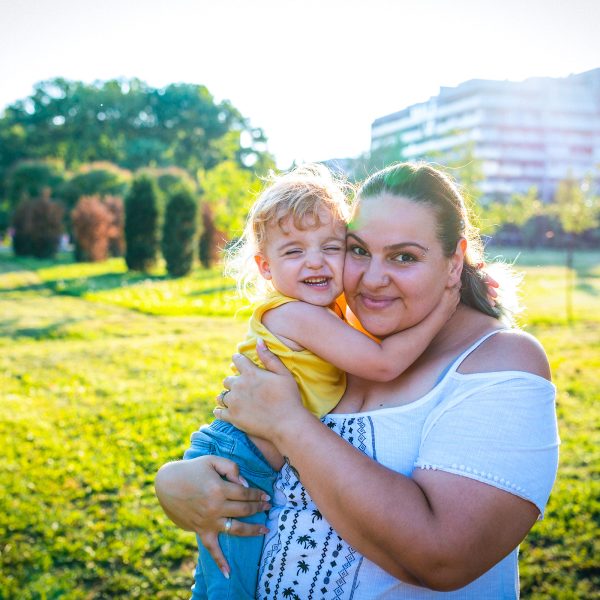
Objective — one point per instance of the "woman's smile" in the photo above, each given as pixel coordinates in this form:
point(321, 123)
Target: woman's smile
point(372, 302)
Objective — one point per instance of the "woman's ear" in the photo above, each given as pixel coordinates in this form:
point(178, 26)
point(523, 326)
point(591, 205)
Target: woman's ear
point(457, 261)
point(263, 266)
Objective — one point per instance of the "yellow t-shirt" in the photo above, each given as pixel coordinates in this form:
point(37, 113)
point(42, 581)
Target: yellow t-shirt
point(321, 384)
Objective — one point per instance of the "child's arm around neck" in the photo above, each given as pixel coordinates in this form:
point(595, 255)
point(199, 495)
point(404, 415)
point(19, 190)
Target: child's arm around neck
point(300, 325)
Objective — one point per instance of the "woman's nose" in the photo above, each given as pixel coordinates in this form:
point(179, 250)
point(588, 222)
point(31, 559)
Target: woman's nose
point(375, 275)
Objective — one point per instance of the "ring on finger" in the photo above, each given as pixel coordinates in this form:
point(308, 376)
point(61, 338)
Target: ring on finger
point(221, 398)
point(228, 522)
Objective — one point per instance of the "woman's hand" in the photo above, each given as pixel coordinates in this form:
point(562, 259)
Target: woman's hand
point(261, 402)
point(196, 497)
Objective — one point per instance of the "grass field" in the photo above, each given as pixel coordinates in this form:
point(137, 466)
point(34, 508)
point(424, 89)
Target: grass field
point(103, 375)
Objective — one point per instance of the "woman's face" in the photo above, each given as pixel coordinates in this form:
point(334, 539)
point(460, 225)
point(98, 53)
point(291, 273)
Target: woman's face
point(395, 271)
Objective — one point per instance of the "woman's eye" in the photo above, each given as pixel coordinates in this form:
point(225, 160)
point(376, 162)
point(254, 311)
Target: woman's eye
point(404, 258)
point(357, 251)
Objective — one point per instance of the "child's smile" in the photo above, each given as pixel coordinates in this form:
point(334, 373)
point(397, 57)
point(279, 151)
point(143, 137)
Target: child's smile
point(306, 264)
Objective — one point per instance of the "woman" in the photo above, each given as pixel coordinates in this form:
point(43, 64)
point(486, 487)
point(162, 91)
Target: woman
point(424, 484)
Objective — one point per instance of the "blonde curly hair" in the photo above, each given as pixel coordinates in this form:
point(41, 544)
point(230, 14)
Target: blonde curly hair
point(301, 195)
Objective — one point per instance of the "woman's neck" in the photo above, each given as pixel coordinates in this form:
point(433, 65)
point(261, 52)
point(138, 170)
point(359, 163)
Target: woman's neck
point(463, 328)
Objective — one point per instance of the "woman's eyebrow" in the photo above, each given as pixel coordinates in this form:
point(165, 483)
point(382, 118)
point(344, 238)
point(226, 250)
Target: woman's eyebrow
point(349, 235)
point(404, 244)
point(392, 246)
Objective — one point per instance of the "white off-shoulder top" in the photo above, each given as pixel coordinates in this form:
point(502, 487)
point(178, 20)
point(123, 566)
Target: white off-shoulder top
point(498, 428)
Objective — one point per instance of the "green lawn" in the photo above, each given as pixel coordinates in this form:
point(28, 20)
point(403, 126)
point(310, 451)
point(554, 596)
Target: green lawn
point(104, 374)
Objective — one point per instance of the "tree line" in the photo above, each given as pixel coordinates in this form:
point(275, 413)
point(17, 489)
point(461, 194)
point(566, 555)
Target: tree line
point(75, 157)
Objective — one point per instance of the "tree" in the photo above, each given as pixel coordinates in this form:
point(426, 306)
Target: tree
point(179, 232)
point(141, 225)
point(230, 191)
point(463, 164)
point(516, 211)
point(578, 210)
point(37, 227)
point(359, 168)
point(128, 123)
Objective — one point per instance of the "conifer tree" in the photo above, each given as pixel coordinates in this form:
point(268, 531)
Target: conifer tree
point(141, 225)
point(180, 232)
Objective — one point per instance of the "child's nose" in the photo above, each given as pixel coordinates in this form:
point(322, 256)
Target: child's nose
point(314, 259)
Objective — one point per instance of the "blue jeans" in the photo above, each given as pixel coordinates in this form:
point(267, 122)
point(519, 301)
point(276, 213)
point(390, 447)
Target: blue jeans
point(242, 553)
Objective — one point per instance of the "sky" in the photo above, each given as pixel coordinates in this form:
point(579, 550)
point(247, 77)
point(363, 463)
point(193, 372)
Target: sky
point(313, 74)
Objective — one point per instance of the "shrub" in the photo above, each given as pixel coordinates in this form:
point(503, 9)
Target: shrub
point(207, 249)
point(116, 235)
point(92, 221)
point(141, 225)
point(97, 178)
point(37, 228)
point(30, 179)
point(179, 232)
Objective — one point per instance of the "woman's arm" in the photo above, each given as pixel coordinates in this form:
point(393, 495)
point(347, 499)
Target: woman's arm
point(435, 529)
point(200, 494)
point(326, 335)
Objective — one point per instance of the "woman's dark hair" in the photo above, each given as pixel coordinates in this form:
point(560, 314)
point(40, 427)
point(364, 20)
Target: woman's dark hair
point(422, 183)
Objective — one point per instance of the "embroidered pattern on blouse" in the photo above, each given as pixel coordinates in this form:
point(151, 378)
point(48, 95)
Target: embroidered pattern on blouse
point(305, 559)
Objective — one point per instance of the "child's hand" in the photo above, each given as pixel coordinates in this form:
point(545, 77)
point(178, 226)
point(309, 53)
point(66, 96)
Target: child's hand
point(448, 304)
point(492, 285)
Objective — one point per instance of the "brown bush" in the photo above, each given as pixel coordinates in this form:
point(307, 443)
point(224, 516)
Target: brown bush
point(92, 222)
point(116, 234)
point(211, 241)
point(37, 228)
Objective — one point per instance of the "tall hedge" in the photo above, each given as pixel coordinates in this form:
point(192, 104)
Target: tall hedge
point(180, 232)
point(141, 225)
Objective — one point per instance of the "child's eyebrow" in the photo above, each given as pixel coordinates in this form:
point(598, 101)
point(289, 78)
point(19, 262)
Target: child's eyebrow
point(398, 246)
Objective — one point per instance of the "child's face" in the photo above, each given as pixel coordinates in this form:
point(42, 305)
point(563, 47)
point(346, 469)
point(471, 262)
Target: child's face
point(306, 264)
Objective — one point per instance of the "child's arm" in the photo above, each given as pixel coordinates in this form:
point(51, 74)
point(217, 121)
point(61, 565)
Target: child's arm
point(317, 329)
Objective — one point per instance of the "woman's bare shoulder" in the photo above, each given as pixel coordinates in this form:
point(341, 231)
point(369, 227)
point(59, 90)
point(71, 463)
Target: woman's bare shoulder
point(508, 350)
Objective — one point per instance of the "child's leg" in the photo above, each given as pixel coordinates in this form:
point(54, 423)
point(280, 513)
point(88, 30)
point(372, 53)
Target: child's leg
point(242, 553)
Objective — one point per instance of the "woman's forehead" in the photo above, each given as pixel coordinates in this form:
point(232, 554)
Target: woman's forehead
point(391, 213)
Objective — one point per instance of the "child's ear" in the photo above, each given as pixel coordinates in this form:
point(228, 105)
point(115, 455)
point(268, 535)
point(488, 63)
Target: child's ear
point(263, 266)
point(457, 261)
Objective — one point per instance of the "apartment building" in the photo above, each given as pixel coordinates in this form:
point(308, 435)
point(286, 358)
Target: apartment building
point(529, 133)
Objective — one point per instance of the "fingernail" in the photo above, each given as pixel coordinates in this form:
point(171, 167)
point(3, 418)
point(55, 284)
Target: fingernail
point(243, 481)
point(265, 497)
point(225, 573)
point(217, 412)
point(260, 344)
point(264, 530)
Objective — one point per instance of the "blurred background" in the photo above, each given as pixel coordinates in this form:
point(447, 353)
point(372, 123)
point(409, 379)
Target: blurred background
point(133, 140)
